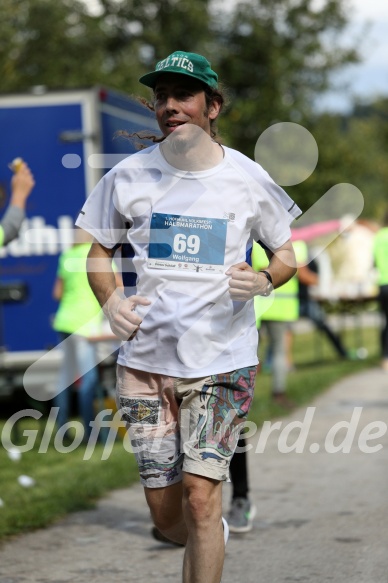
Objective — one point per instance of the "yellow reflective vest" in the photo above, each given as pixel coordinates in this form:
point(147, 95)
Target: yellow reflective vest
point(380, 254)
point(285, 304)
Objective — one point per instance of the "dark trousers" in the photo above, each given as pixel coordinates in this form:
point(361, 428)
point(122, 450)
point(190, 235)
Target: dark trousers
point(239, 472)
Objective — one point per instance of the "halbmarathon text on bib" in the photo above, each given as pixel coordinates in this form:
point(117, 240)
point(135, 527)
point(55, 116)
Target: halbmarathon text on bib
point(187, 243)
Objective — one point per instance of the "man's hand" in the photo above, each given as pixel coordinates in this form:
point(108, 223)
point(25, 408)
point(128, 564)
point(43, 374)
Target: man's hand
point(245, 283)
point(121, 314)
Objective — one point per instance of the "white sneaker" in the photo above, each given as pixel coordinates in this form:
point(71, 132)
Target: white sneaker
point(225, 526)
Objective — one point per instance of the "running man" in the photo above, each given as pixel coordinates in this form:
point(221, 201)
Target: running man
point(187, 210)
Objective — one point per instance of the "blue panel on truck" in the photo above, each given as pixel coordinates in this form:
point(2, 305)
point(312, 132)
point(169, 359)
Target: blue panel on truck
point(33, 133)
point(32, 128)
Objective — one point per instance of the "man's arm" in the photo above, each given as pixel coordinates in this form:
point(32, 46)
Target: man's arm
point(21, 185)
point(100, 272)
point(119, 310)
point(245, 283)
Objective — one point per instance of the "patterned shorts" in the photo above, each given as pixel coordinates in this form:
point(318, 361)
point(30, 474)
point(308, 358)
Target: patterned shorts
point(190, 425)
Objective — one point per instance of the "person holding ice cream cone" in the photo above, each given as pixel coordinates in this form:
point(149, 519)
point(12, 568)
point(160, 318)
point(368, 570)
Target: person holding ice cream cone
point(22, 184)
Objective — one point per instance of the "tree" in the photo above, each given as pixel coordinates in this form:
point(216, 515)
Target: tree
point(276, 57)
point(60, 45)
point(56, 44)
point(274, 54)
point(352, 148)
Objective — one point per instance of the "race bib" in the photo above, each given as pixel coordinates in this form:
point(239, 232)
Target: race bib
point(187, 243)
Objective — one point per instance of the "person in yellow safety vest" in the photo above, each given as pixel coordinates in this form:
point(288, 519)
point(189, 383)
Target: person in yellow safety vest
point(285, 308)
point(276, 315)
point(380, 253)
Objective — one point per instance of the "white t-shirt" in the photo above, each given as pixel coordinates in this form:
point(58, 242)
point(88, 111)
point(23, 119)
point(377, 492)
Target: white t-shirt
point(186, 229)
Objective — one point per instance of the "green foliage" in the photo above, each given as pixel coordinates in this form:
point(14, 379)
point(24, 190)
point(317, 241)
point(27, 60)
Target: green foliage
point(270, 50)
point(48, 43)
point(275, 56)
point(351, 149)
point(60, 45)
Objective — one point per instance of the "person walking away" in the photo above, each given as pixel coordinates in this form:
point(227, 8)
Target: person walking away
point(283, 310)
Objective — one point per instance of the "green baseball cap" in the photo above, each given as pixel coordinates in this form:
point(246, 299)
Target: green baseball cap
point(190, 64)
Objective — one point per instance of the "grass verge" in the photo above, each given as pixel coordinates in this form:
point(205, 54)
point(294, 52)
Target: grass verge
point(63, 483)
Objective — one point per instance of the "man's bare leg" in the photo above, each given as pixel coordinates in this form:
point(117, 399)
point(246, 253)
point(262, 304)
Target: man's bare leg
point(166, 511)
point(190, 512)
point(205, 548)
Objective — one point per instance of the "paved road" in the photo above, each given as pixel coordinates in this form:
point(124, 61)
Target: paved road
point(321, 516)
